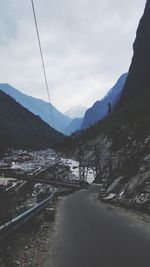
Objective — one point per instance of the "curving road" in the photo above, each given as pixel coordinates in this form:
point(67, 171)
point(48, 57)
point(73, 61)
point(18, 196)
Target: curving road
point(91, 234)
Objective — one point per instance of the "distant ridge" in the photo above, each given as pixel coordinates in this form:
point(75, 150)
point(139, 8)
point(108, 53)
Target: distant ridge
point(100, 108)
point(76, 112)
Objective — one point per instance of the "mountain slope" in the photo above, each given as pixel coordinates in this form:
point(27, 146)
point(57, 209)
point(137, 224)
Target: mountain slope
point(127, 130)
point(74, 126)
point(76, 112)
point(38, 107)
point(139, 78)
point(124, 136)
point(19, 128)
point(100, 109)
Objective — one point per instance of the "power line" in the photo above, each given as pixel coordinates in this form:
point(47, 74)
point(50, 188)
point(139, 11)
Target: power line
point(42, 59)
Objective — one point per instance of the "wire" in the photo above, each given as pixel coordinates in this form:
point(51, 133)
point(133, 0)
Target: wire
point(43, 63)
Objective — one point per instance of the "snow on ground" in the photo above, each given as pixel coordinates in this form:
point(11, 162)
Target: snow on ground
point(29, 161)
point(74, 166)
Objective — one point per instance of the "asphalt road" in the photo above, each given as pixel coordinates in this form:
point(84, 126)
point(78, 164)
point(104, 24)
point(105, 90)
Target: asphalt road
point(91, 234)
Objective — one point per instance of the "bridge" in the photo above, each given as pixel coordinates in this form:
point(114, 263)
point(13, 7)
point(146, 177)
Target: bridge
point(40, 176)
point(65, 183)
point(86, 164)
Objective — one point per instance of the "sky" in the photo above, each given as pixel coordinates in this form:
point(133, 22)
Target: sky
point(87, 45)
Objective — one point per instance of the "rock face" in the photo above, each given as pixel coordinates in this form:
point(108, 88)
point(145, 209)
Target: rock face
point(38, 107)
point(19, 128)
point(127, 166)
point(133, 194)
point(100, 109)
point(138, 79)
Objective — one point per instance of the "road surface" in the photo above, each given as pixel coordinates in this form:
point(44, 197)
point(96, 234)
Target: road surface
point(91, 234)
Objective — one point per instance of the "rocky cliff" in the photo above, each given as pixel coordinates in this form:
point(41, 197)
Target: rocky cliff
point(131, 186)
point(124, 136)
point(138, 79)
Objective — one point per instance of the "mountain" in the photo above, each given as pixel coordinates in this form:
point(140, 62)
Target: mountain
point(139, 79)
point(74, 126)
point(76, 112)
point(38, 107)
point(19, 128)
point(100, 108)
point(124, 136)
point(127, 130)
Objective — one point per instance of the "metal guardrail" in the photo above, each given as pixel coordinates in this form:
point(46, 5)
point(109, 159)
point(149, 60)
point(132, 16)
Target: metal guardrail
point(9, 227)
point(18, 221)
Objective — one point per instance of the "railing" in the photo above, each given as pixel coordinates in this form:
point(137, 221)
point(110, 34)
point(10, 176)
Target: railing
point(9, 227)
point(76, 184)
point(18, 221)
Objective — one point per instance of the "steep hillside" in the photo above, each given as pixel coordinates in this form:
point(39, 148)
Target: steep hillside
point(124, 136)
point(139, 78)
point(19, 128)
point(38, 107)
point(100, 109)
point(126, 132)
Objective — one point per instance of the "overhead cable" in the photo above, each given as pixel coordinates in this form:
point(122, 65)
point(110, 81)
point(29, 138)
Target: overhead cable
point(43, 63)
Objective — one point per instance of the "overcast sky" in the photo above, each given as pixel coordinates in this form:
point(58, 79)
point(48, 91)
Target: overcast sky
point(87, 45)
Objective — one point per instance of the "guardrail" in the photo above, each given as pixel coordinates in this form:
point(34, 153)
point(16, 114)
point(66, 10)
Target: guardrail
point(18, 221)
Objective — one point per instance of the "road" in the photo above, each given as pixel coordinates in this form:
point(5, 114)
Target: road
point(91, 234)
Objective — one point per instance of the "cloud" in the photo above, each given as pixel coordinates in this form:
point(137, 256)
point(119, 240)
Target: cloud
point(86, 44)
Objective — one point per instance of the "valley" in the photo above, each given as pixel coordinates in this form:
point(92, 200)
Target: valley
point(75, 183)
